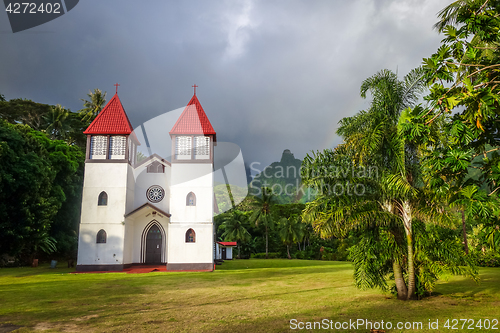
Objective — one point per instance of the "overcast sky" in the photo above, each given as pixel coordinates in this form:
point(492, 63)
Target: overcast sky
point(272, 75)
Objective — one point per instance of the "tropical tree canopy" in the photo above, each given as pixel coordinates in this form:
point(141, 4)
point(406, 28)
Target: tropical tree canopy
point(291, 231)
point(93, 105)
point(388, 201)
point(461, 129)
point(234, 226)
point(262, 213)
point(36, 177)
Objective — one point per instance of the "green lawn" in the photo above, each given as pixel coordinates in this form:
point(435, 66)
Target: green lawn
point(240, 296)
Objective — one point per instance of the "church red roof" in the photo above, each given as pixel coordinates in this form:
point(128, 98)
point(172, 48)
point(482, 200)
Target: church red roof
point(111, 120)
point(193, 120)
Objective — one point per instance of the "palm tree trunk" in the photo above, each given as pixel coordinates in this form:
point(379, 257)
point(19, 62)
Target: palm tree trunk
point(411, 269)
point(288, 251)
point(466, 245)
point(409, 239)
point(267, 244)
point(239, 253)
point(298, 243)
point(400, 282)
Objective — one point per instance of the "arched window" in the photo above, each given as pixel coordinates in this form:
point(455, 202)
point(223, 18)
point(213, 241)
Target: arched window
point(101, 236)
point(191, 199)
point(103, 199)
point(190, 236)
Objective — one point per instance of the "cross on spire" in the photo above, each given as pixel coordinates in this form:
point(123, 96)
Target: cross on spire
point(195, 86)
point(116, 85)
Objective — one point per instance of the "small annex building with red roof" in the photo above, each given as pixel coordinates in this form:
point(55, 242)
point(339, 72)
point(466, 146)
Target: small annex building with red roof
point(224, 250)
point(139, 210)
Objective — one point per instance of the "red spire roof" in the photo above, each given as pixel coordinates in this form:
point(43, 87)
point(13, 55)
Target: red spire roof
point(193, 120)
point(111, 120)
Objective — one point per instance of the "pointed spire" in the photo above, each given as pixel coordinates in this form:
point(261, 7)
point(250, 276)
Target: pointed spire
point(193, 120)
point(111, 120)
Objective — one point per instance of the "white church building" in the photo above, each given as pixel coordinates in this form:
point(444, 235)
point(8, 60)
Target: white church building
point(153, 211)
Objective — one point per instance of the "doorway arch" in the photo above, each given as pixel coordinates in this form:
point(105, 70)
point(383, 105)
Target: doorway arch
point(153, 244)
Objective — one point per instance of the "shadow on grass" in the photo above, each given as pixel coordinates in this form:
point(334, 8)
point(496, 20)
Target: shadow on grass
point(30, 271)
point(367, 311)
point(489, 284)
point(237, 264)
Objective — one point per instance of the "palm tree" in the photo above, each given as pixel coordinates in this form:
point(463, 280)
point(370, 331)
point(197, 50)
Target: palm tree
point(373, 137)
point(234, 229)
point(58, 120)
point(93, 105)
point(262, 213)
point(291, 231)
point(381, 141)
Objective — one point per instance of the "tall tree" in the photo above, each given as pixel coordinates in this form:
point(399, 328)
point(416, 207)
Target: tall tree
point(25, 111)
point(291, 230)
point(388, 207)
point(465, 96)
point(93, 105)
point(262, 213)
point(35, 175)
point(234, 226)
point(58, 122)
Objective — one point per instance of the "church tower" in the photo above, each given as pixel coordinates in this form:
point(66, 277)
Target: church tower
point(190, 238)
point(108, 191)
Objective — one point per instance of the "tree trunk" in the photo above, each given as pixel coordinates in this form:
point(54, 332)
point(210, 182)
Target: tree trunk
point(400, 282)
point(411, 269)
point(239, 253)
point(288, 251)
point(298, 243)
point(409, 239)
point(267, 244)
point(466, 245)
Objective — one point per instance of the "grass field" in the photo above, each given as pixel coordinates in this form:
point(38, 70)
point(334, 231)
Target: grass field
point(240, 296)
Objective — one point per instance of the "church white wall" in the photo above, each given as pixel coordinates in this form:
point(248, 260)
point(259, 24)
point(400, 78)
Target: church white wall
point(108, 177)
point(128, 243)
point(144, 180)
point(201, 251)
point(111, 178)
point(196, 178)
point(192, 174)
point(109, 253)
point(130, 189)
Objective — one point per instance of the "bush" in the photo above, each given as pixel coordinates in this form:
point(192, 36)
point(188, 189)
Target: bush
point(489, 259)
point(271, 255)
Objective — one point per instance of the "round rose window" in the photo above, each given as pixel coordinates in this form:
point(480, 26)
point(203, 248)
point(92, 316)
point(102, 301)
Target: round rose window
point(155, 193)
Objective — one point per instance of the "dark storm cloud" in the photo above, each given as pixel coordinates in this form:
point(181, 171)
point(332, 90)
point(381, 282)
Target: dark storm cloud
point(272, 75)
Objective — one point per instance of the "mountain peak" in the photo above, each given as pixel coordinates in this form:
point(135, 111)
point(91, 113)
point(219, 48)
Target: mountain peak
point(287, 156)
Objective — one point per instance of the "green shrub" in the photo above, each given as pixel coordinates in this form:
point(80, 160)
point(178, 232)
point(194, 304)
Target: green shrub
point(271, 255)
point(488, 259)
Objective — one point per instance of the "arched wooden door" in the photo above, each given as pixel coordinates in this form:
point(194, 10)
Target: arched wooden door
point(153, 246)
